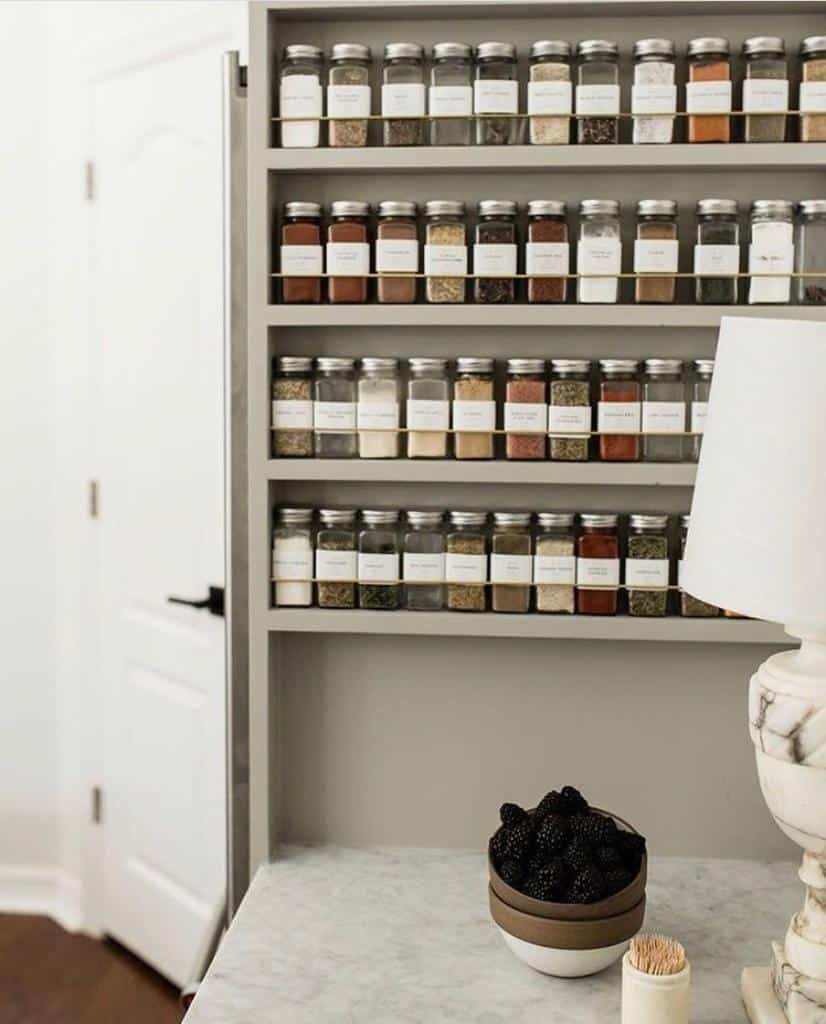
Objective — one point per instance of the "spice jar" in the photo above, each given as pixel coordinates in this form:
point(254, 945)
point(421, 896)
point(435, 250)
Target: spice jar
point(549, 93)
point(301, 253)
point(292, 557)
point(691, 607)
point(336, 565)
point(654, 92)
point(569, 410)
point(656, 249)
point(599, 250)
point(717, 252)
point(597, 564)
point(466, 561)
point(397, 251)
point(334, 411)
point(765, 89)
point(403, 94)
point(445, 250)
point(812, 102)
point(619, 409)
point(299, 95)
point(810, 251)
point(771, 249)
point(663, 410)
point(597, 92)
point(348, 94)
point(494, 251)
point(547, 251)
point(526, 410)
point(292, 407)
point(378, 560)
point(511, 562)
point(423, 562)
point(708, 91)
point(348, 251)
point(450, 98)
point(554, 564)
point(378, 408)
point(474, 408)
point(496, 91)
point(647, 565)
point(428, 408)
point(700, 390)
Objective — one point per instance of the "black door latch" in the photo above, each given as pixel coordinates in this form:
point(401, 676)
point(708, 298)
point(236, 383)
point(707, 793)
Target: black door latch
point(214, 602)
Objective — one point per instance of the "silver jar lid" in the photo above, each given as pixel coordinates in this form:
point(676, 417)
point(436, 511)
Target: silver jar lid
point(685, 520)
point(551, 48)
point(349, 208)
point(618, 365)
point(512, 518)
point(294, 364)
point(427, 517)
point(444, 51)
point(526, 366)
point(654, 48)
point(598, 519)
point(371, 364)
point(589, 207)
point(587, 47)
point(335, 363)
point(350, 51)
point(774, 45)
point(724, 207)
point(474, 364)
point(380, 516)
point(444, 208)
point(812, 206)
point(546, 208)
point(396, 51)
point(496, 208)
point(465, 518)
point(658, 366)
point(425, 364)
point(397, 208)
point(296, 209)
point(294, 515)
point(570, 366)
point(337, 516)
point(707, 45)
point(485, 51)
point(812, 45)
point(648, 520)
point(302, 51)
point(782, 208)
point(563, 519)
point(704, 367)
point(657, 208)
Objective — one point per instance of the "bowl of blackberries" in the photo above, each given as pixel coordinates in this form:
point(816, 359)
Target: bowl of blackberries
point(567, 883)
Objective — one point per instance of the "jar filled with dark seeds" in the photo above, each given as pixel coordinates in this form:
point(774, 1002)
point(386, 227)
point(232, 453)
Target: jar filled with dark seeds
point(810, 250)
point(494, 251)
point(335, 558)
point(598, 92)
point(348, 95)
point(451, 94)
point(378, 560)
point(466, 561)
point(765, 89)
point(647, 565)
point(423, 562)
point(496, 91)
point(511, 562)
point(403, 95)
point(692, 607)
point(292, 407)
point(569, 410)
point(717, 252)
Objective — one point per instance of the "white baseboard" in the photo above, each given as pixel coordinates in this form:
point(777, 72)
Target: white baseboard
point(47, 891)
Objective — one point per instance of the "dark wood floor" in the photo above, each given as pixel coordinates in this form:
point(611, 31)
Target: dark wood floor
point(49, 976)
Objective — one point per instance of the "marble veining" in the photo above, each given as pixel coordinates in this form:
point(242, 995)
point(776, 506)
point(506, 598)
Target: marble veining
point(786, 726)
point(403, 936)
point(803, 999)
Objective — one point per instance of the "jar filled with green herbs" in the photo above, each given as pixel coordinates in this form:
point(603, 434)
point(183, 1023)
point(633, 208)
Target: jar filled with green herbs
point(292, 407)
point(466, 561)
point(570, 409)
point(378, 560)
point(691, 607)
point(647, 565)
point(335, 558)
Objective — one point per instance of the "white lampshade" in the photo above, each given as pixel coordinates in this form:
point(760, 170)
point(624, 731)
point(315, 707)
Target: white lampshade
point(757, 538)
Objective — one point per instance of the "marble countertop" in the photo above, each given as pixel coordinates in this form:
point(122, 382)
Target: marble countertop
point(342, 935)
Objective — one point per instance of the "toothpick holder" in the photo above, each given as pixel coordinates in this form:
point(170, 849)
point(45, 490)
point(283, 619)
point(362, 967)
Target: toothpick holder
point(654, 998)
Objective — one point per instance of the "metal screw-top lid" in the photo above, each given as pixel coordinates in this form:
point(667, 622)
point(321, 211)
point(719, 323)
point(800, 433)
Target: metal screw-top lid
point(812, 206)
point(295, 209)
point(648, 520)
point(610, 207)
point(657, 208)
point(474, 364)
point(657, 366)
point(704, 367)
point(397, 208)
point(706, 45)
point(294, 364)
point(335, 363)
point(394, 51)
point(370, 364)
point(427, 517)
point(588, 47)
point(546, 208)
point(484, 51)
point(380, 516)
point(463, 518)
point(496, 207)
point(564, 519)
point(426, 364)
point(350, 51)
point(618, 365)
point(598, 519)
point(443, 51)
point(812, 45)
point(512, 518)
point(570, 366)
point(685, 521)
point(337, 516)
point(526, 366)
point(782, 208)
point(444, 207)
point(551, 48)
point(774, 45)
point(349, 208)
point(726, 207)
point(294, 515)
point(302, 51)
point(654, 48)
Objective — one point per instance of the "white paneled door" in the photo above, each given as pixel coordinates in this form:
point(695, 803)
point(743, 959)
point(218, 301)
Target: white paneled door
point(157, 315)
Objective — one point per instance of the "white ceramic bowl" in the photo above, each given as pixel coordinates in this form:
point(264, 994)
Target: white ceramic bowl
point(564, 963)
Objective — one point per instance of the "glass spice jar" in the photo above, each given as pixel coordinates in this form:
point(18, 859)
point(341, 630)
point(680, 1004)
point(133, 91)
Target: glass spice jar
point(708, 91)
point(771, 249)
point(663, 410)
point(526, 409)
point(450, 97)
point(647, 565)
point(549, 93)
point(423, 562)
point(445, 250)
point(403, 94)
point(654, 92)
point(810, 251)
point(292, 557)
point(547, 251)
point(378, 408)
point(717, 252)
point(597, 564)
point(300, 96)
point(569, 409)
point(348, 95)
point(292, 407)
point(599, 250)
point(554, 564)
point(348, 252)
point(597, 92)
point(700, 390)
point(656, 249)
point(691, 607)
point(334, 409)
point(496, 91)
point(494, 251)
point(301, 253)
point(619, 409)
point(397, 251)
point(336, 563)
point(378, 560)
point(765, 89)
point(511, 562)
point(812, 102)
point(428, 408)
point(474, 408)
point(466, 561)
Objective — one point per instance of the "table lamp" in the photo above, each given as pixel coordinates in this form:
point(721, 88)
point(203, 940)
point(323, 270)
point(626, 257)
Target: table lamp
point(757, 545)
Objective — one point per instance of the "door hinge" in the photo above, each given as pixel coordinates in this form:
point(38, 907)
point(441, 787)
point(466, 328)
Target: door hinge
point(97, 805)
point(89, 177)
point(94, 505)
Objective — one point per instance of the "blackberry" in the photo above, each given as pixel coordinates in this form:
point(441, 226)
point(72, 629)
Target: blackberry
point(549, 883)
point(536, 863)
point(511, 871)
point(617, 878)
point(578, 854)
point(575, 802)
point(588, 886)
point(553, 834)
point(519, 842)
point(632, 847)
point(608, 857)
point(551, 803)
point(496, 845)
point(596, 828)
point(511, 814)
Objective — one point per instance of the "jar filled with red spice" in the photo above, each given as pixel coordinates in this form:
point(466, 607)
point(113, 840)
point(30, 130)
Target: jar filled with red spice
point(547, 251)
point(526, 410)
point(597, 564)
point(348, 251)
point(301, 253)
point(619, 410)
point(397, 251)
point(708, 91)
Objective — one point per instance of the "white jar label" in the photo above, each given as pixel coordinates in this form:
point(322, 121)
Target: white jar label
point(598, 572)
point(766, 95)
point(526, 416)
point(378, 415)
point(347, 258)
point(445, 260)
point(716, 259)
point(708, 97)
point(378, 568)
point(348, 100)
point(466, 568)
point(300, 96)
point(598, 256)
point(403, 100)
point(494, 260)
point(292, 415)
point(618, 417)
point(598, 100)
point(306, 260)
point(334, 416)
point(399, 256)
point(494, 97)
point(291, 564)
point(510, 568)
point(646, 572)
point(554, 569)
point(699, 413)
point(771, 251)
point(451, 100)
point(479, 417)
point(423, 568)
point(654, 98)
point(812, 97)
point(549, 97)
point(424, 414)
point(335, 565)
point(547, 258)
point(569, 419)
point(651, 257)
point(663, 417)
